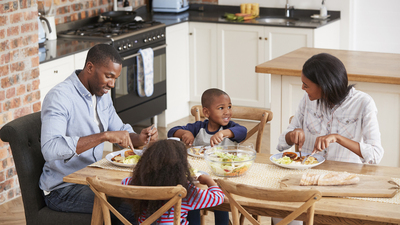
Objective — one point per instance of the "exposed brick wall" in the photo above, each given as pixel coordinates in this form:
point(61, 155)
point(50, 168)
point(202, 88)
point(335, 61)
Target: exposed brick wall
point(19, 78)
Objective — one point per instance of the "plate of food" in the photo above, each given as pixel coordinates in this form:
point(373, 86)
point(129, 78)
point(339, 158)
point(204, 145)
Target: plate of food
point(197, 151)
point(292, 160)
point(124, 157)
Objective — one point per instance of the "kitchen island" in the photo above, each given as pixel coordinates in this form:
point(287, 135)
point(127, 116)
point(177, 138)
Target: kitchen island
point(377, 74)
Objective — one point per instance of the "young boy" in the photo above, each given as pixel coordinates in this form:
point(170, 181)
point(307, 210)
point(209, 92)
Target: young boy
point(216, 129)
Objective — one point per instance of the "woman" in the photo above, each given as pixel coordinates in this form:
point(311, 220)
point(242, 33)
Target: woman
point(333, 118)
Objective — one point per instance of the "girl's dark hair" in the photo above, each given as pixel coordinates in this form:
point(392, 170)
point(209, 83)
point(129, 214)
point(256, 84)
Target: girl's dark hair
point(163, 163)
point(329, 73)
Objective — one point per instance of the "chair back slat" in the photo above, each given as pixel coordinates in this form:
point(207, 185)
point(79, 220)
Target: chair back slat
point(103, 188)
point(307, 196)
point(245, 113)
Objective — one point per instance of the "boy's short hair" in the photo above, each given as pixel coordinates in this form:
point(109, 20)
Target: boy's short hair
point(209, 95)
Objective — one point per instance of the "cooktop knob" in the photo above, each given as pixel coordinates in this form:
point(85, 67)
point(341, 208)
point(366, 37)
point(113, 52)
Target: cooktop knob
point(162, 35)
point(149, 39)
point(145, 40)
point(119, 48)
point(129, 45)
point(158, 36)
point(124, 46)
point(154, 38)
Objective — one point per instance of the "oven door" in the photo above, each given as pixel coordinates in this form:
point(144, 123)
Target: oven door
point(129, 105)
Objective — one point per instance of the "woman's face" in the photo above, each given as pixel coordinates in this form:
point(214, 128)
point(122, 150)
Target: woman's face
point(313, 90)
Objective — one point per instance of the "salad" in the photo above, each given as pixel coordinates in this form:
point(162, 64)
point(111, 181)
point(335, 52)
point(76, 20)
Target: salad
point(228, 164)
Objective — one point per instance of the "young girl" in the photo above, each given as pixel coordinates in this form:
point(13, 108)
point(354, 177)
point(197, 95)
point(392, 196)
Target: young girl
point(165, 163)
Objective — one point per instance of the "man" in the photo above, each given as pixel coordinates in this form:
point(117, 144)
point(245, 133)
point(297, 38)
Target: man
point(77, 117)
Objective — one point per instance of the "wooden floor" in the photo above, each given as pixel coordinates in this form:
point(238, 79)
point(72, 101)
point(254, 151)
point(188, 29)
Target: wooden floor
point(12, 212)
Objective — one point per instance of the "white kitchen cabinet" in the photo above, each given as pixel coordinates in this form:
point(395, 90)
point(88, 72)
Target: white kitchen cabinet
point(53, 72)
point(202, 58)
point(240, 50)
point(225, 56)
point(177, 53)
point(79, 60)
point(386, 97)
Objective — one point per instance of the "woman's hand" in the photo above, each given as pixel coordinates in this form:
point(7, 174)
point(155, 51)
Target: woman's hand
point(296, 136)
point(323, 142)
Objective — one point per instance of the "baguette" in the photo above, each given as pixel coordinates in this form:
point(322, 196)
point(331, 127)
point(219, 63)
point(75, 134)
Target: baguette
point(328, 179)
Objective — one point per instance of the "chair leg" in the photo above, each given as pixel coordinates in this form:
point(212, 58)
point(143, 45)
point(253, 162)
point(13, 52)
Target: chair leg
point(241, 221)
point(97, 214)
point(203, 214)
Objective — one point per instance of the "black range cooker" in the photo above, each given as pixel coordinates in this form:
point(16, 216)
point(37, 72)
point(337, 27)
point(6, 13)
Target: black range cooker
point(128, 38)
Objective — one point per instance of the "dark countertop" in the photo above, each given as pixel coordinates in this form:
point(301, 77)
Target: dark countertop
point(62, 47)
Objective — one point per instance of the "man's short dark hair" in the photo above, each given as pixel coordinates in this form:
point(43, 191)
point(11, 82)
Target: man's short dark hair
point(209, 95)
point(101, 53)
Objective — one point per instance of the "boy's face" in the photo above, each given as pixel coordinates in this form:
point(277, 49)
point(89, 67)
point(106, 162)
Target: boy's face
point(219, 111)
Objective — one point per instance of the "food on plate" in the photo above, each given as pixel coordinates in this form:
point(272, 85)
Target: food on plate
point(328, 179)
point(128, 158)
point(292, 158)
point(197, 150)
point(128, 153)
point(233, 165)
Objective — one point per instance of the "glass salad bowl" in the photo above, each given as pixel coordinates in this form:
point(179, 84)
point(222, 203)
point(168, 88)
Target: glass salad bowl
point(230, 160)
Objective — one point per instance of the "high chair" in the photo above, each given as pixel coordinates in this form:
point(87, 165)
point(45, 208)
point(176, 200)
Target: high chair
point(101, 207)
point(308, 196)
point(246, 113)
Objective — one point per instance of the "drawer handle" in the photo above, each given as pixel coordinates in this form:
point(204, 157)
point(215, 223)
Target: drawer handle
point(190, 33)
point(260, 38)
point(266, 39)
point(55, 71)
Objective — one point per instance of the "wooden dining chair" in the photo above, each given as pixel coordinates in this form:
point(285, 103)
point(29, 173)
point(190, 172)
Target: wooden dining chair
point(245, 113)
point(102, 208)
point(308, 196)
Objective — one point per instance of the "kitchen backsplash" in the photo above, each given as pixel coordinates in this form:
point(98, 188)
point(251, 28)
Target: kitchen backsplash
point(72, 10)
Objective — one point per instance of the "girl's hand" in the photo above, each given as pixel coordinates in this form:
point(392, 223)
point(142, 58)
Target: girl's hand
point(188, 138)
point(207, 180)
point(296, 137)
point(217, 138)
point(323, 142)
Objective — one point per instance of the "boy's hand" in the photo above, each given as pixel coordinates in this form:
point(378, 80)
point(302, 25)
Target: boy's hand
point(187, 138)
point(216, 138)
point(207, 180)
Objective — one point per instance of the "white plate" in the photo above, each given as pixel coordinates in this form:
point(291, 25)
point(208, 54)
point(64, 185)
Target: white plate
point(319, 17)
point(320, 159)
point(189, 151)
point(109, 156)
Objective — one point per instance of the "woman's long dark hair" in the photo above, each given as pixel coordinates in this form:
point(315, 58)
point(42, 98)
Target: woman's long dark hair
point(329, 73)
point(164, 163)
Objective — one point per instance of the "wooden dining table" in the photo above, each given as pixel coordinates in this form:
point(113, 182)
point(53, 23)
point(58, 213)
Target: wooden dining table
point(329, 210)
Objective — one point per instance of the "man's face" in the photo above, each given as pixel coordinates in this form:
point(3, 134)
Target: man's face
point(313, 90)
point(220, 110)
point(103, 78)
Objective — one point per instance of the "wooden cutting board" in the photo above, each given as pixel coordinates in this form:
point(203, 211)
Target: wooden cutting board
point(369, 186)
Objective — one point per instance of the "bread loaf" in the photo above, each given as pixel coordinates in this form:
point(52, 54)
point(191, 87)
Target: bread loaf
point(328, 179)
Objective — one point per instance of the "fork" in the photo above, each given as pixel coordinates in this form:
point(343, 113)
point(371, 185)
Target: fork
point(305, 159)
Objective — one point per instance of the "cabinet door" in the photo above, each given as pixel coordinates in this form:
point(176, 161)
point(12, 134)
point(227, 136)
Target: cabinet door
point(280, 41)
point(202, 58)
point(240, 49)
point(53, 72)
point(177, 74)
point(79, 60)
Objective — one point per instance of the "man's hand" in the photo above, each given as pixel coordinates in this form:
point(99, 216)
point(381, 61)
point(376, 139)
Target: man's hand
point(121, 138)
point(151, 132)
point(296, 137)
